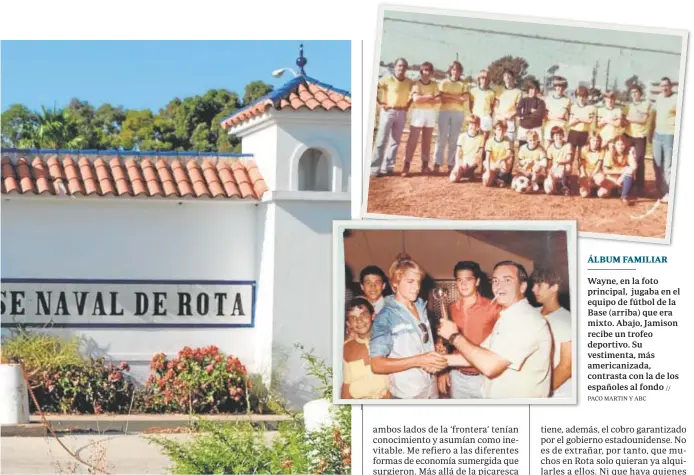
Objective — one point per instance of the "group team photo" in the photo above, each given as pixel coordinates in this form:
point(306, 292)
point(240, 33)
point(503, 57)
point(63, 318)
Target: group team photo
point(453, 133)
point(488, 318)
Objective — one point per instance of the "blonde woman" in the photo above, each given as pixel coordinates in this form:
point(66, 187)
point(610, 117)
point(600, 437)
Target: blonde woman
point(359, 381)
point(402, 343)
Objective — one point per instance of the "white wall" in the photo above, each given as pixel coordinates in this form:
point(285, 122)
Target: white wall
point(303, 289)
point(332, 136)
point(136, 239)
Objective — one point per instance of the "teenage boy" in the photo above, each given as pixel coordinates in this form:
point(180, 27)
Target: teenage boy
point(531, 112)
point(372, 281)
point(483, 99)
point(470, 151)
point(454, 100)
point(559, 156)
point(507, 100)
point(610, 120)
point(532, 160)
point(425, 101)
point(581, 120)
point(475, 317)
point(558, 109)
point(498, 157)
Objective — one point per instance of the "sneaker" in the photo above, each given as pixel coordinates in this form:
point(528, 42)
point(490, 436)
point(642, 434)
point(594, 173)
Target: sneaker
point(566, 191)
point(437, 169)
point(627, 202)
point(536, 187)
point(665, 198)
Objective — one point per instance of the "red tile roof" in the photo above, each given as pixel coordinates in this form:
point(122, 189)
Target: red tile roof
point(300, 93)
point(112, 174)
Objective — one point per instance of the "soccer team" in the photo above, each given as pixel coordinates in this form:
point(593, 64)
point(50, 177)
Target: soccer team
point(478, 128)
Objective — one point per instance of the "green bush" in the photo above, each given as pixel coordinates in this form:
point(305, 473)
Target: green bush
point(200, 380)
point(92, 387)
point(242, 448)
point(40, 351)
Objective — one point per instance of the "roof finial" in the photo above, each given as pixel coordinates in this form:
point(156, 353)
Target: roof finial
point(301, 61)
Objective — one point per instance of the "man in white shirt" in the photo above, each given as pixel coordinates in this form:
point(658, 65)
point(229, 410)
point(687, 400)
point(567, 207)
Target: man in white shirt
point(546, 285)
point(515, 358)
point(373, 282)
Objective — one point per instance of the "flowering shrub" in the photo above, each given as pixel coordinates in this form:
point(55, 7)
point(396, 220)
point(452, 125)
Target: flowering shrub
point(243, 448)
point(92, 387)
point(200, 380)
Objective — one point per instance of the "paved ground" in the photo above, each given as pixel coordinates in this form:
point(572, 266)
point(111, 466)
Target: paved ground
point(119, 454)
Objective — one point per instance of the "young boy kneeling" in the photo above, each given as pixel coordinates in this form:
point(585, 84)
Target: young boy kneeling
point(499, 155)
point(470, 151)
point(559, 154)
point(590, 164)
point(532, 160)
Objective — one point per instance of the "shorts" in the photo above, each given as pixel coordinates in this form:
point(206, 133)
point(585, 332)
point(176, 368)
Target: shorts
point(468, 161)
point(423, 118)
point(522, 132)
point(558, 172)
point(577, 139)
point(486, 123)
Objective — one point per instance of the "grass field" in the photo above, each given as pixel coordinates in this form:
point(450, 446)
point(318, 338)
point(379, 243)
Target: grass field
point(429, 196)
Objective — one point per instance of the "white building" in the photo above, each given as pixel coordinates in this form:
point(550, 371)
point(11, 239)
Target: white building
point(233, 251)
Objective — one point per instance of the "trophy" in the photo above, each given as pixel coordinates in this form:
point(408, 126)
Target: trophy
point(441, 294)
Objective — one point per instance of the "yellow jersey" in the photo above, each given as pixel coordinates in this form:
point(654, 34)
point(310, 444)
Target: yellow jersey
point(529, 158)
point(585, 113)
point(507, 101)
point(394, 92)
point(616, 162)
point(590, 160)
point(640, 111)
point(452, 87)
point(557, 107)
point(666, 112)
point(430, 89)
point(609, 132)
point(469, 145)
point(498, 150)
point(482, 101)
point(559, 154)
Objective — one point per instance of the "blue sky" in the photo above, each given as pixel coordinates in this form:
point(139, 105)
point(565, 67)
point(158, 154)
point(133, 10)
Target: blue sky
point(148, 74)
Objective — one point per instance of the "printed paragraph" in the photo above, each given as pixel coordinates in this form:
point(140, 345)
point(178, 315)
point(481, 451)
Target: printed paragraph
point(613, 450)
point(625, 315)
point(445, 450)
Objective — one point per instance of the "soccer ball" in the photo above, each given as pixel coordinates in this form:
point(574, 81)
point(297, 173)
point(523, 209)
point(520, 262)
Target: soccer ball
point(521, 184)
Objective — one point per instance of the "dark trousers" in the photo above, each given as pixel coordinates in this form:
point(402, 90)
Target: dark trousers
point(639, 144)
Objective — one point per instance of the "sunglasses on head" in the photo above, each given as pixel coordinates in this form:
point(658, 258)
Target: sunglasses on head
point(423, 327)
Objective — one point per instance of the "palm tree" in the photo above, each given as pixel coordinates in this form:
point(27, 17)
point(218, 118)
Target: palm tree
point(56, 131)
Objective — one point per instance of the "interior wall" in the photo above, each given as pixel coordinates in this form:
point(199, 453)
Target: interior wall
point(437, 251)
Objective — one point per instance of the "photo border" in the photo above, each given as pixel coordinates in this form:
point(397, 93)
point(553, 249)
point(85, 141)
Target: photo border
point(437, 224)
point(368, 144)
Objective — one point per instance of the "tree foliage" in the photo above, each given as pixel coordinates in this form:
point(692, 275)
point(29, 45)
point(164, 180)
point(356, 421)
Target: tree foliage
point(518, 65)
point(188, 124)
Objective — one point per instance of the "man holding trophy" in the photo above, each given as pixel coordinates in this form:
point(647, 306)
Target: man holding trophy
point(475, 317)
